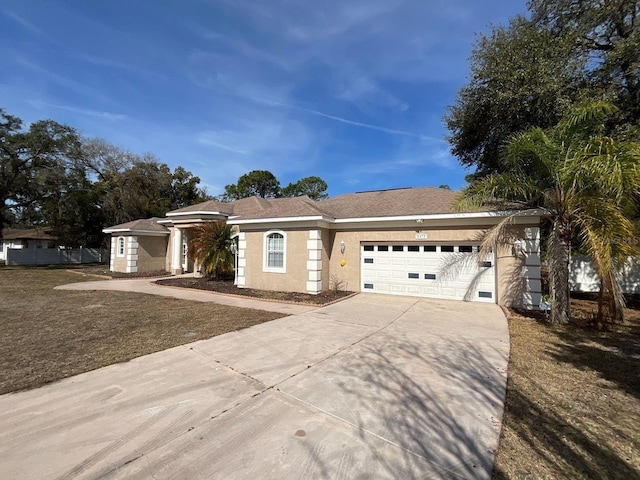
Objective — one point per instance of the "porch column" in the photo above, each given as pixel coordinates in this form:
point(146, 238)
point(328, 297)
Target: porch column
point(176, 252)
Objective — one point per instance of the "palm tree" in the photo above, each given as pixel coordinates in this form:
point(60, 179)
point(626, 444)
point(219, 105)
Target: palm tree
point(209, 245)
point(586, 183)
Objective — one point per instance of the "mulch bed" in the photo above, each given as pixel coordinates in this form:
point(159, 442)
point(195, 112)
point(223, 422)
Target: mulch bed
point(228, 288)
point(103, 270)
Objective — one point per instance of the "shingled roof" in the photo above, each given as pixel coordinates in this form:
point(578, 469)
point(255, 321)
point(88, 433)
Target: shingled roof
point(210, 206)
point(391, 203)
point(379, 203)
point(144, 224)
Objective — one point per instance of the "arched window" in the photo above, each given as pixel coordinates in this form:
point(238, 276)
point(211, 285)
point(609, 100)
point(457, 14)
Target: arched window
point(275, 249)
point(121, 246)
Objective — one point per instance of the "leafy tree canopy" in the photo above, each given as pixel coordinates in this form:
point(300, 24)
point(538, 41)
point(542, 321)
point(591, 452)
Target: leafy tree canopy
point(313, 187)
point(259, 183)
point(586, 182)
point(529, 74)
point(264, 184)
point(49, 175)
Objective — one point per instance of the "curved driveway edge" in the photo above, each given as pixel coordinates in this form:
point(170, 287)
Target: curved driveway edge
point(146, 285)
point(372, 387)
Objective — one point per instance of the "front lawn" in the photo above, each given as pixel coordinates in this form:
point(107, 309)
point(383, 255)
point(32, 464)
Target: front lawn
point(48, 334)
point(573, 400)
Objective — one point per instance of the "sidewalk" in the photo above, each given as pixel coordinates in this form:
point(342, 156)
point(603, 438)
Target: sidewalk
point(146, 285)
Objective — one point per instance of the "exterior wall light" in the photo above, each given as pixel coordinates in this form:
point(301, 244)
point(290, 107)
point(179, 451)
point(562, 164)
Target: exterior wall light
point(518, 248)
point(342, 246)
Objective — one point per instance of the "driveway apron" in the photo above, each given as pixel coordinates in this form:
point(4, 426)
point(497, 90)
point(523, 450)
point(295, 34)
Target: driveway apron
point(372, 387)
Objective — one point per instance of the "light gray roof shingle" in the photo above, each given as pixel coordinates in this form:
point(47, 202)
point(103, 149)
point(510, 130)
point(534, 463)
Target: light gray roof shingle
point(391, 203)
point(143, 224)
point(212, 206)
point(379, 203)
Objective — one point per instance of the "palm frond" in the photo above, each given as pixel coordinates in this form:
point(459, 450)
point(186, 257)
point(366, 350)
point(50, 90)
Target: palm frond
point(611, 168)
point(210, 245)
point(608, 236)
point(585, 120)
point(500, 191)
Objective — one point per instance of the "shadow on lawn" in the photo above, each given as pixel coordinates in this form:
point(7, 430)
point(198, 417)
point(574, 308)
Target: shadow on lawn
point(561, 445)
point(614, 355)
point(428, 406)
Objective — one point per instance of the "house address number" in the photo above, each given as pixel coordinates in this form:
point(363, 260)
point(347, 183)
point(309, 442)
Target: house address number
point(421, 236)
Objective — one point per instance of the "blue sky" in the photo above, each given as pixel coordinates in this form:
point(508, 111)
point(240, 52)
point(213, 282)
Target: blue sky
point(351, 91)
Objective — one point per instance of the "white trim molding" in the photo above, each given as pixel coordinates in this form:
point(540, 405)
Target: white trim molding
point(242, 261)
point(151, 233)
point(532, 294)
point(198, 212)
point(132, 255)
point(120, 247)
point(112, 255)
point(314, 262)
point(265, 252)
point(176, 252)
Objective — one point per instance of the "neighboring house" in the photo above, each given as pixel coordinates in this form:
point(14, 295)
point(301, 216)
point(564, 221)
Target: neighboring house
point(30, 238)
point(402, 241)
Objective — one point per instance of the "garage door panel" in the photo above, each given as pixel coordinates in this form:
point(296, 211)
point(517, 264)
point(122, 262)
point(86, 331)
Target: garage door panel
point(401, 270)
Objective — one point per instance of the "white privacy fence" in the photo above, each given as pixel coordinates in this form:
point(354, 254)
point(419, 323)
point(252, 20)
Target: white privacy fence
point(583, 277)
point(55, 256)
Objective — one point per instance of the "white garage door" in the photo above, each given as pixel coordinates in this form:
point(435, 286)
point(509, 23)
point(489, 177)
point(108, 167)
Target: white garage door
point(436, 271)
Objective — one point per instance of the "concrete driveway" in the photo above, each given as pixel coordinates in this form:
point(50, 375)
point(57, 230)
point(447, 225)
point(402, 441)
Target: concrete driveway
point(372, 387)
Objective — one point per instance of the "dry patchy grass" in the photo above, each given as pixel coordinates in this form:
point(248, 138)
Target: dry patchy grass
point(573, 400)
point(47, 334)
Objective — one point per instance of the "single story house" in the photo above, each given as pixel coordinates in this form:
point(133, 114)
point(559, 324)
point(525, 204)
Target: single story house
point(34, 238)
point(407, 241)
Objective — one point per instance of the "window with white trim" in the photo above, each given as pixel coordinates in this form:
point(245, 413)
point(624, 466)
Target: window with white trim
point(120, 250)
point(275, 246)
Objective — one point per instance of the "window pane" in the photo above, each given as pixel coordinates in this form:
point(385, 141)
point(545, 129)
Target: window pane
point(276, 242)
point(368, 248)
point(276, 259)
point(275, 250)
point(383, 248)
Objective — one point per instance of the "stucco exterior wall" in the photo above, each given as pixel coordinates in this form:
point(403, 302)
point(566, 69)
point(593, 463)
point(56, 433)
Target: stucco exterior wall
point(327, 244)
point(296, 275)
point(515, 275)
point(120, 262)
point(152, 253)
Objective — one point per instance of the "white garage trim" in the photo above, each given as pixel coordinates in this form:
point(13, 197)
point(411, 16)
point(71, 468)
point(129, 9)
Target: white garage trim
point(436, 270)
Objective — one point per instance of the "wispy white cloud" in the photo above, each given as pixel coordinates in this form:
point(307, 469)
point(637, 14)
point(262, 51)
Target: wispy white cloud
point(257, 140)
point(370, 126)
point(23, 22)
point(82, 111)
